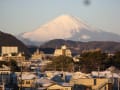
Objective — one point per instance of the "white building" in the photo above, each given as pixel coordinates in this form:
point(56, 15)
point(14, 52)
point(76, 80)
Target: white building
point(9, 49)
point(63, 51)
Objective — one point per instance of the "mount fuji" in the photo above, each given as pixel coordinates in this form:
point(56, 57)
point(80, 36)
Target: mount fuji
point(69, 28)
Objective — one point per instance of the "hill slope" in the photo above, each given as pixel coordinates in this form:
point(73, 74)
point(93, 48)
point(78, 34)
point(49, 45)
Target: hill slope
point(77, 47)
point(9, 40)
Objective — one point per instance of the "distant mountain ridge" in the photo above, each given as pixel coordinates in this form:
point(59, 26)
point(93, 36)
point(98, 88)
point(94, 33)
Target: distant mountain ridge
point(70, 28)
point(77, 47)
point(9, 40)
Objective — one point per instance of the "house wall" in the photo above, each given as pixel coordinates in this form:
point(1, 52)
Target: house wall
point(9, 49)
point(26, 83)
point(58, 87)
point(95, 84)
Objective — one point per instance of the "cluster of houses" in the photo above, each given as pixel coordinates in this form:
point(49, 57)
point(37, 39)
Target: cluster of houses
point(52, 80)
point(59, 80)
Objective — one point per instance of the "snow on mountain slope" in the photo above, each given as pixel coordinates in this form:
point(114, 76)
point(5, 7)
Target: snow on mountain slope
point(64, 26)
point(68, 27)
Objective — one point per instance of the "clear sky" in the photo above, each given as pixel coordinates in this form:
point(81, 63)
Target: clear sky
point(18, 16)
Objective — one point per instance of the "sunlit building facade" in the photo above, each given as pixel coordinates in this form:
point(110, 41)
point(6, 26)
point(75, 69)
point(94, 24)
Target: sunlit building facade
point(63, 51)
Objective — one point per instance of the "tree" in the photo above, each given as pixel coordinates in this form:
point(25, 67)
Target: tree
point(61, 63)
point(92, 61)
point(14, 65)
point(116, 59)
point(3, 63)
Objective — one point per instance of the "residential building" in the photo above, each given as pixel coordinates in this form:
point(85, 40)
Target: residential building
point(93, 83)
point(60, 87)
point(26, 80)
point(91, 50)
point(38, 55)
point(63, 51)
point(17, 57)
point(9, 49)
point(4, 74)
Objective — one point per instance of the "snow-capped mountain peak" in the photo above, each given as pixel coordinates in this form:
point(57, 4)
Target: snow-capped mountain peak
point(64, 26)
point(68, 27)
point(69, 22)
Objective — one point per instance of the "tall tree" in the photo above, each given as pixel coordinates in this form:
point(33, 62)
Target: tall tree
point(92, 61)
point(61, 63)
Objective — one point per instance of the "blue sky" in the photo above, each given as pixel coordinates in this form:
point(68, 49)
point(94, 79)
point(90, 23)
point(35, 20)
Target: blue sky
point(18, 16)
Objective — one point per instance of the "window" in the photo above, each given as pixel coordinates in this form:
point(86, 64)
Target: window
point(27, 82)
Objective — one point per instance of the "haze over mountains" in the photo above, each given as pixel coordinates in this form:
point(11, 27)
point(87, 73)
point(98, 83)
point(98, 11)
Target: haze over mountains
point(76, 34)
point(69, 28)
point(77, 46)
point(48, 47)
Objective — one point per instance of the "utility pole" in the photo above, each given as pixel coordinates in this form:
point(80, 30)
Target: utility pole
point(98, 72)
point(3, 83)
point(62, 67)
point(21, 77)
point(79, 68)
point(55, 67)
point(118, 84)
